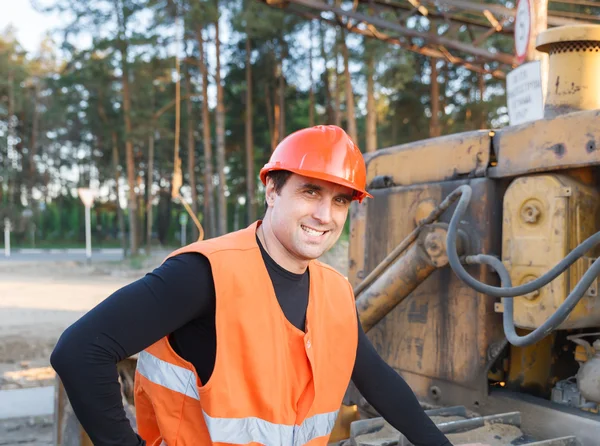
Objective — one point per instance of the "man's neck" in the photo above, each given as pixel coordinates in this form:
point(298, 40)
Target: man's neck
point(278, 252)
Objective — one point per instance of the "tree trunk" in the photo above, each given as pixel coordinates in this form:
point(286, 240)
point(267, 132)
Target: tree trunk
point(270, 123)
point(191, 153)
point(122, 44)
point(350, 115)
point(482, 117)
point(33, 142)
point(434, 123)
point(210, 227)
point(337, 114)
point(276, 107)
point(311, 93)
point(10, 150)
point(371, 109)
point(250, 192)
point(141, 206)
point(220, 121)
point(325, 78)
point(281, 95)
point(445, 72)
point(149, 207)
point(120, 216)
point(117, 172)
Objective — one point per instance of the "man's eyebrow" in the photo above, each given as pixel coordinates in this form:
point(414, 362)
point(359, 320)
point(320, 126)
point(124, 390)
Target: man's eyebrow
point(311, 186)
point(318, 188)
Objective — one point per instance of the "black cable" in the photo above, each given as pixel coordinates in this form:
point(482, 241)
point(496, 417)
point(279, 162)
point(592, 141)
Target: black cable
point(553, 321)
point(493, 291)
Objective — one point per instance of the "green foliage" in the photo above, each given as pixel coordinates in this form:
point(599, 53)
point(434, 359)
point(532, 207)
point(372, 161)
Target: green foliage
point(66, 111)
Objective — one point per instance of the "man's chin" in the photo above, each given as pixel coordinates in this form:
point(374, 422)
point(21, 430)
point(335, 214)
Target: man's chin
point(314, 252)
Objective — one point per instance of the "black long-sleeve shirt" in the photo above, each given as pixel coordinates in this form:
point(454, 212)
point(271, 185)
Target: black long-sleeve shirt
point(177, 300)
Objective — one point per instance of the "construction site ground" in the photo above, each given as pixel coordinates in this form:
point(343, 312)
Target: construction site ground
point(38, 300)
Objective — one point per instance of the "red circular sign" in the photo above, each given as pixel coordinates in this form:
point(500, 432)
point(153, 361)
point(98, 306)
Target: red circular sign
point(523, 22)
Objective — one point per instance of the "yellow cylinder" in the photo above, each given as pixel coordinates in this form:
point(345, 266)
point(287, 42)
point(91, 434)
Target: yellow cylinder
point(574, 68)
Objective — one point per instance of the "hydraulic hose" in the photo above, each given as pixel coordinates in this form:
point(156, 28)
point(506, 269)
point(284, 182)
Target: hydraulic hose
point(553, 321)
point(509, 291)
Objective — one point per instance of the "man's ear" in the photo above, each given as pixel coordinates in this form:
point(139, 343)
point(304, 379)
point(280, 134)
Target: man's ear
point(270, 192)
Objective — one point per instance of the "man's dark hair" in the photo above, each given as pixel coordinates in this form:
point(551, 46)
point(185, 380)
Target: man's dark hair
point(279, 178)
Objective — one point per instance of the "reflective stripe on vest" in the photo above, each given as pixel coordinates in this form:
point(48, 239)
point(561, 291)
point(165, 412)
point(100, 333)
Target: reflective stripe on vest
point(167, 375)
point(234, 430)
point(256, 430)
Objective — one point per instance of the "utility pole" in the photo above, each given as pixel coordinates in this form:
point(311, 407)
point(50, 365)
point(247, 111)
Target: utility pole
point(539, 24)
point(532, 18)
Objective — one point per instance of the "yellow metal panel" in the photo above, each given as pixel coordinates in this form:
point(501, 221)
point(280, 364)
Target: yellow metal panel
point(566, 141)
point(545, 217)
point(356, 250)
point(437, 159)
point(531, 366)
point(442, 331)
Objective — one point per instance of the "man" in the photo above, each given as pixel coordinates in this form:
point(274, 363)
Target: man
point(244, 338)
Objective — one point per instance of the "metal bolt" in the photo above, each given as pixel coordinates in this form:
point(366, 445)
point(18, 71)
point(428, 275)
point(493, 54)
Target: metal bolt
point(532, 295)
point(530, 213)
point(535, 293)
point(433, 244)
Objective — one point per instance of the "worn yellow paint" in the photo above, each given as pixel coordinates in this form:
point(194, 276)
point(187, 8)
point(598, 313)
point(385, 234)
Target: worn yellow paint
point(356, 250)
point(436, 159)
point(581, 354)
point(574, 64)
point(544, 218)
point(531, 367)
point(405, 274)
point(341, 429)
point(441, 332)
point(567, 141)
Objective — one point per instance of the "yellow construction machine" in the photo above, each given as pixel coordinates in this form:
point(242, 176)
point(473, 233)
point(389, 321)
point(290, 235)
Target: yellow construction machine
point(475, 267)
point(475, 272)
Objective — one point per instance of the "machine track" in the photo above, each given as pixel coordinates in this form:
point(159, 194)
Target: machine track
point(460, 426)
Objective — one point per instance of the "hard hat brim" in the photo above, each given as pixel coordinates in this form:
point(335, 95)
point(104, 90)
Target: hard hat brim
point(359, 194)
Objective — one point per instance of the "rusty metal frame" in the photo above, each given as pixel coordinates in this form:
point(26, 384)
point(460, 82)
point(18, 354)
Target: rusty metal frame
point(458, 30)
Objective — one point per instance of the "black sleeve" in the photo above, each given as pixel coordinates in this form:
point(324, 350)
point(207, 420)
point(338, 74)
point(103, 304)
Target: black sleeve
point(128, 321)
point(391, 396)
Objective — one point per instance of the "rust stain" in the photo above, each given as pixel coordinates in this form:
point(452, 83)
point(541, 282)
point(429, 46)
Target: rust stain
point(558, 149)
point(419, 344)
point(418, 313)
point(590, 146)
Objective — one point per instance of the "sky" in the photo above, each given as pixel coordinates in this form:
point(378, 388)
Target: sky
point(30, 25)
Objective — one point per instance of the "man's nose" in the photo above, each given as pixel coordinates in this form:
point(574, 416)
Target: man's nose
point(323, 212)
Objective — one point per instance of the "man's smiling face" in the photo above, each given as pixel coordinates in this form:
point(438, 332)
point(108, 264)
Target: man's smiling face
point(308, 215)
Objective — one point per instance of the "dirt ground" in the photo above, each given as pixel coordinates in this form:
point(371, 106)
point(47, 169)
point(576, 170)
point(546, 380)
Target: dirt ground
point(38, 301)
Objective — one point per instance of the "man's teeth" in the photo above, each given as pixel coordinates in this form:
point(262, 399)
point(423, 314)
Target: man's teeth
point(312, 231)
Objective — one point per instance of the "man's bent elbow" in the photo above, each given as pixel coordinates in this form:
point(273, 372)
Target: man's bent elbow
point(65, 354)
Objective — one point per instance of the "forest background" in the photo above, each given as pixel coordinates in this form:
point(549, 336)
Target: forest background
point(95, 106)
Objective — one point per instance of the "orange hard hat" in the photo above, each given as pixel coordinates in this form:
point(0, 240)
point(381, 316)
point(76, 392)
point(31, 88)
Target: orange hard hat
point(324, 152)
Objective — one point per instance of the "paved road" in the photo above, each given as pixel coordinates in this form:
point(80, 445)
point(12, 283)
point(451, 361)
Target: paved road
point(60, 255)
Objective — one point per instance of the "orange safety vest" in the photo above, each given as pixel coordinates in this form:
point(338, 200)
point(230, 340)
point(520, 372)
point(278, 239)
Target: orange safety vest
point(272, 384)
